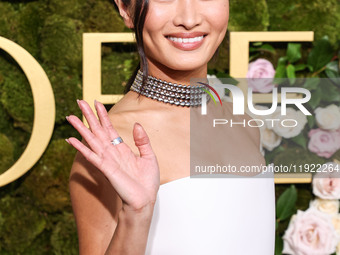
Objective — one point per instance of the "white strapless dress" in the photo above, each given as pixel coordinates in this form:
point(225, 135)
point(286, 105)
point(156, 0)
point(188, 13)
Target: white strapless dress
point(214, 216)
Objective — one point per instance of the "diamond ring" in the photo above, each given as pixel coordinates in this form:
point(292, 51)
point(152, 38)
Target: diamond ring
point(117, 140)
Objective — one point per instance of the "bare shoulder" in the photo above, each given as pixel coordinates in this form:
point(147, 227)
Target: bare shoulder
point(95, 205)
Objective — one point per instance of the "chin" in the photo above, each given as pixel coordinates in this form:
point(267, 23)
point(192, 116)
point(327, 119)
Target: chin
point(186, 66)
point(189, 67)
point(185, 63)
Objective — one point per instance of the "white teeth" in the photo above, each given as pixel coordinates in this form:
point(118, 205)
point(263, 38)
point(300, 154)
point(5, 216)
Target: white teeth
point(186, 40)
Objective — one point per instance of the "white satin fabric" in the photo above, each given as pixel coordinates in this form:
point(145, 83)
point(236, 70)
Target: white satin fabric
point(214, 216)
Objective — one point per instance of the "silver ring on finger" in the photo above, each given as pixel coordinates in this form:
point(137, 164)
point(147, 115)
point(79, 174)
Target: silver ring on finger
point(117, 141)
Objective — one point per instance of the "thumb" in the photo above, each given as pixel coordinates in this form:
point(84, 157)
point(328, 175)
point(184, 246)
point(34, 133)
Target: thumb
point(142, 141)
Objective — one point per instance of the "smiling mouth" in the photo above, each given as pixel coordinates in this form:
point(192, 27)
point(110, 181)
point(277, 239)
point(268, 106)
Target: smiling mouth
point(186, 40)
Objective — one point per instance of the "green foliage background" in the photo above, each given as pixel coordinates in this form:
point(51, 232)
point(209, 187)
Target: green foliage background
point(35, 211)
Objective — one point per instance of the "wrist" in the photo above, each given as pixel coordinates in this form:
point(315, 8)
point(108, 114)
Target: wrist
point(136, 216)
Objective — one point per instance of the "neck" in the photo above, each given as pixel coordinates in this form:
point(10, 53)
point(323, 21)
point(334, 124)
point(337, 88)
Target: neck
point(175, 76)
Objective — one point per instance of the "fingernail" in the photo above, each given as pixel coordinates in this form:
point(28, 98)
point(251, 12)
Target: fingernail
point(78, 102)
point(136, 123)
point(67, 141)
point(67, 118)
point(95, 103)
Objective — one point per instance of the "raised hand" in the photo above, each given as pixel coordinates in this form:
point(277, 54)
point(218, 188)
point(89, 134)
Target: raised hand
point(136, 179)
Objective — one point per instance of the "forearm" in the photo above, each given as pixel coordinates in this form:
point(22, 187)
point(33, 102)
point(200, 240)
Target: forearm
point(131, 234)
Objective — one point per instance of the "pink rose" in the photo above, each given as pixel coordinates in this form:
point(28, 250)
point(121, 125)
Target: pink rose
point(310, 232)
point(336, 134)
point(326, 182)
point(324, 143)
point(260, 76)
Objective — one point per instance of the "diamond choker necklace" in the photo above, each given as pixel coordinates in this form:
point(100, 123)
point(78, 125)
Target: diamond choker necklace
point(168, 92)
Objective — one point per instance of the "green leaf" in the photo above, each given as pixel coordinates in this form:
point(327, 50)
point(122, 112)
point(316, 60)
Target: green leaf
point(280, 71)
point(285, 206)
point(291, 73)
point(252, 49)
point(329, 92)
point(282, 60)
point(332, 69)
point(251, 58)
point(264, 47)
point(311, 121)
point(294, 52)
point(271, 154)
point(267, 47)
point(278, 244)
point(321, 54)
point(300, 140)
point(300, 67)
point(315, 98)
point(311, 83)
point(310, 68)
point(257, 43)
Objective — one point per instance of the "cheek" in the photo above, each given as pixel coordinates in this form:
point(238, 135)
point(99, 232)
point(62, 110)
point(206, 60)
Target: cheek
point(155, 19)
point(218, 16)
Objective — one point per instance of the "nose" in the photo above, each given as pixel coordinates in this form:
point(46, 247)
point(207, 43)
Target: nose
point(188, 14)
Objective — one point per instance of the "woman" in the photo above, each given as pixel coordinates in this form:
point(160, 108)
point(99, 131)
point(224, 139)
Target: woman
point(129, 197)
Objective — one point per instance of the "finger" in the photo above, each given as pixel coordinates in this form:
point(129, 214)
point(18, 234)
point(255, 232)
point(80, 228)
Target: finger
point(142, 141)
point(87, 153)
point(91, 118)
point(105, 120)
point(89, 137)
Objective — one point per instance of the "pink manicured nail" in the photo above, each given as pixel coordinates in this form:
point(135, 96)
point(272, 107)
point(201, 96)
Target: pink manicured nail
point(78, 102)
point(67, 141)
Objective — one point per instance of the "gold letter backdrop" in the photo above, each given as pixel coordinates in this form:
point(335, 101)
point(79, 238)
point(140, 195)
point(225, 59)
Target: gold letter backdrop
point(44, 104)
point(44, 111)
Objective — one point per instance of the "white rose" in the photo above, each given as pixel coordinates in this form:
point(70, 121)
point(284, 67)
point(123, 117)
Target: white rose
point(310, 232)
point(326, 205)
point(288, 132)
point(336, 223)
point(328, 118)
point(326, 182)
point(269, 139)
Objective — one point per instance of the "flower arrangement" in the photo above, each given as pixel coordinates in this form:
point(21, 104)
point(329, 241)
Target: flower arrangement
point(319, 133)
point(308, 222)
point(315, 140)
point(317, 229)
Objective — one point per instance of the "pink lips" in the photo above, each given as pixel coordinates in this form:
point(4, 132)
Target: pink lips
point(187, 46)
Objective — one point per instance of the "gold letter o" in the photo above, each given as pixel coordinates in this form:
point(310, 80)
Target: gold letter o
point(44, 111)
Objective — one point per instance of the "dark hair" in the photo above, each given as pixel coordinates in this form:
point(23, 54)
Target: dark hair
point(140, 10)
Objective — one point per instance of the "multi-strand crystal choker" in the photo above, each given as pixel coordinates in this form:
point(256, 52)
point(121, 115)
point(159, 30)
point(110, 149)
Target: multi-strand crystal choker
point(168, 92)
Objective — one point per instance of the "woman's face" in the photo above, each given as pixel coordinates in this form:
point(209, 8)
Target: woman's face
point(184, 34)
